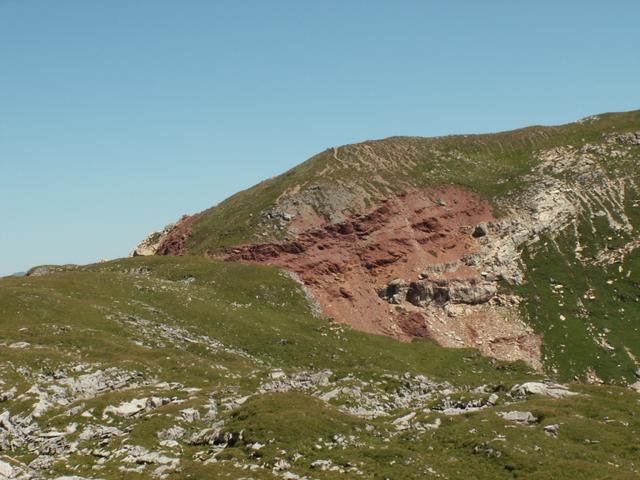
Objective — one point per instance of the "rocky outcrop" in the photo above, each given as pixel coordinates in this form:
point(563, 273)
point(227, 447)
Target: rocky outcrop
point(415, 245)
point(171, 240)
point(422, 293)
point(547, 389)
point(343, 263)
point(526, 418)
point(567, 186)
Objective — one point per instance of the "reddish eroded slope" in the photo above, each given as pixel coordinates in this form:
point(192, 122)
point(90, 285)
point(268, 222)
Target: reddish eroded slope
point(345, 264)
point(174, 242)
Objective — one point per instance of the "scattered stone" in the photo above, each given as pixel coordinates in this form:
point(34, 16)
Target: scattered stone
point(100, 432)
point(190, 415)
point(552, 430)
point(322, 465)
point(8, 394)
point(402, 423)
point(6, 470)
point(480, 231)
point(277, 375)
point(172, 433)
point(547, 389)
point(519, 417)
point(127, 409)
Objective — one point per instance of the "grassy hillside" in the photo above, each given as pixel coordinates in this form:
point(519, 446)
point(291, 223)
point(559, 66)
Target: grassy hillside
point(589, 314)
point(258, 310)
point(196, 332)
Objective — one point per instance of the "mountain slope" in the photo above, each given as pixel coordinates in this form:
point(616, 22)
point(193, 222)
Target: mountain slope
point(423, 237)
point(214, 352)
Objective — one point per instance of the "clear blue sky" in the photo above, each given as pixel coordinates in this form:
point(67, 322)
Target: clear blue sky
point(116, 117)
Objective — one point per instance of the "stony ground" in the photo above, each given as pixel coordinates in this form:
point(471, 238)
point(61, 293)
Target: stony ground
point(155, 368)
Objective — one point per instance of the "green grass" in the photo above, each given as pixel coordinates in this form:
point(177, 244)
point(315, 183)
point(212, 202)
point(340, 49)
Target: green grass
point(75, 316)
point(256, 309)
point(594, 302)
point(597, 438)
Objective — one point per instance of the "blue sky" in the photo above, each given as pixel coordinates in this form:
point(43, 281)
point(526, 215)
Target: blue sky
point(118, 117)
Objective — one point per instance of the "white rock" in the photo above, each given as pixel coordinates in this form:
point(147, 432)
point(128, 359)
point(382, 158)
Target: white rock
point(190, 415)
point(519, 417)
point(6, 470)
point(291, 476)
point(433, 425)
point(127, 409)
point(552, 430)
point(169, 443)
point(553, 390)
point(155, 458)
point(172, 433)
point(278, 375)
point(73, 477)
point(281, 465)
point(8, 395)
point(322, 464)
point(404, 419)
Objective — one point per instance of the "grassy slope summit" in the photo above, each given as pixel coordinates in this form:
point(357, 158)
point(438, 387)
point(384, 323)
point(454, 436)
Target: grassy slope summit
point(275, 389)
point(491, 165)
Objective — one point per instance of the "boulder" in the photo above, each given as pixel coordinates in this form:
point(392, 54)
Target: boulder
point(6, 470)
point(190, 415)
point(440, 292)
point(481, 230)
point(321, 464)
point(552, 430)
point(74, 477)
point(128, 409)
point(547, 389)
point(527, 418)
point(395, 291)
point(472, 293)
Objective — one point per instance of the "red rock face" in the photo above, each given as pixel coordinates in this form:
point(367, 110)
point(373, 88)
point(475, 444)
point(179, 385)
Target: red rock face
point(175, 242)
point(345, 264)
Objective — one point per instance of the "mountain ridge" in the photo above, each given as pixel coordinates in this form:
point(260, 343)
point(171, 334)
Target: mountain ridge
point(622, 121)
